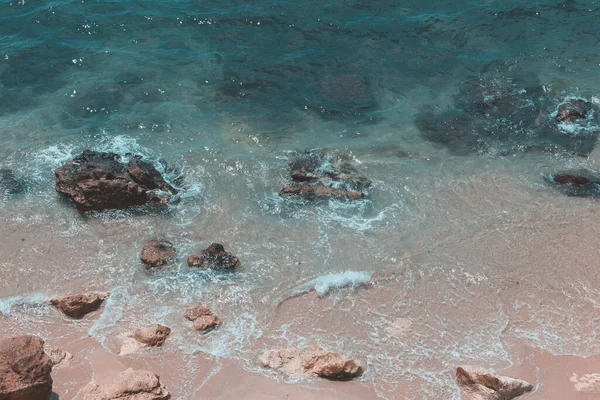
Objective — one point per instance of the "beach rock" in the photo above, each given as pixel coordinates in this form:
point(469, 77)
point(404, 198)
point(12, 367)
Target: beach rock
point(99, 181)
point(157, 253)
point(311, 361)
point(79, 305)
point(203, 318)
point(480, 385)
point(580, 183)
point(153, 336)
point(573, 110)
point(129, 385)
point(586, 383)
point(195, 312)
point(320, 192)
point(214, 256)
point(60, 357)
point(24, 369)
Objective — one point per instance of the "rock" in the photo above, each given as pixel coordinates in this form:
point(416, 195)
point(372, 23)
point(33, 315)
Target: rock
point(579, 183)
point(320, 192)
point(24, 369)
point(99, 181)
point(311, 361)
point(587, 383)
point(60, 357)
point(129, 385)
point(79, 305)
point(214, 256)
point(157, 253)
point(479, 385)
point(203, 318)
point(573, 110)
point(153, 336)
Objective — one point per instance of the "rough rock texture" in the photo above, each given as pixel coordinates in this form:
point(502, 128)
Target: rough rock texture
point(129, 385)
point(203, 318)
point(157, 253)
point(214, 256)
point(60, 357)
point(586, 383)
point(480, 385)
point(24, 369)
point(98, 181)
point(578, 183)
point(311, 361)
point(574, 110)
point(153, 336)
point(320, 192)
point(79, 305)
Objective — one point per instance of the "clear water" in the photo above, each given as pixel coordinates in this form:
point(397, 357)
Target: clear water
point(228, 91)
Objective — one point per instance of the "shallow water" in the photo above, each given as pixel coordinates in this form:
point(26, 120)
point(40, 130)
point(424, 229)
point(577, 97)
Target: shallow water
point(475, 251)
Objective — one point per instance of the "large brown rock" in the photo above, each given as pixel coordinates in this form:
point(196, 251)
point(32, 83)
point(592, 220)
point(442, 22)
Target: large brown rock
point(311, 361)
point(153, 336)
point(480, 385)
point(214, 256)
point(320, 192)
point(24, 369)
point(129, 385)
point(79, 305)
point(99, 181)
point(157, 253)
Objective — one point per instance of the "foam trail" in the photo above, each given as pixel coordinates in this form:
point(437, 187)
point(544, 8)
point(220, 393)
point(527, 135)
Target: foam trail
point(6, 305)
point(325, 283)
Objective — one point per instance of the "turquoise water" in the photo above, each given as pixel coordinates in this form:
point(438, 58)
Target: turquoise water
point(228, 91)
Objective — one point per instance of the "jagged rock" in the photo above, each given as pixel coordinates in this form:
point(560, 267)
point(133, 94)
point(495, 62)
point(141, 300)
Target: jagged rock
point(580, 183)
point(157, 253)
point(214, 256)
point(574, 110)
point(586, 383)
point(320, 192)
point(203, 318)
point(24, 369)
point(479, 385)
point(60, 357)
point(129, 385)
point(79, 305)
point(311, 361)
point(99, 181)
point(153, 336)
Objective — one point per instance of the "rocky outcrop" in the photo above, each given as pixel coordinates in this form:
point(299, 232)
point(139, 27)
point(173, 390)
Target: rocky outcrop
point(580, 183)
point(320, 192)
point(311, 361)
point(24, 369)
point(157, 253)
point(203, 318)
point(79, 305)
point(480, 385)
point(152, 336)
point(574, 110)
point(129, 385)
point(99, 181)
point(215, 257)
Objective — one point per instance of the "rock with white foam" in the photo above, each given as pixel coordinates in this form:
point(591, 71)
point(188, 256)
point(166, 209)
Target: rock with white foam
point(480, 385)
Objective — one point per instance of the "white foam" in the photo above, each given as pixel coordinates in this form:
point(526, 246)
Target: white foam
point(6, 305)
point(325, 283)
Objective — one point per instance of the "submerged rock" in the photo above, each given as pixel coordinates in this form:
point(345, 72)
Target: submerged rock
point(574, 110)
point(214, 256)
point(99, 181)
point(157, 253)
point(311, 361)
point(153, 336)
point(10, 184)
point(479, 385)
point(24, 369)
point(203, 318)
point(129, 385)
point(320, 192)
point(580, 183)
point(79, 305)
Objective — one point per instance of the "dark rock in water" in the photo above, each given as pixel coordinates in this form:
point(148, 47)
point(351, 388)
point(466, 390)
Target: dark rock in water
point(157, 253)
point(306, 168)
point(79, 305)
point(214, 256)
point(10, 184)
point(574, 110)
point(480, 385)
point(99, 181)
point(577, 183)
point(24, 369)
point(320, 192)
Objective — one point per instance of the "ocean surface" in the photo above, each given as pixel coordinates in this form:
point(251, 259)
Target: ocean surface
point(461, 252)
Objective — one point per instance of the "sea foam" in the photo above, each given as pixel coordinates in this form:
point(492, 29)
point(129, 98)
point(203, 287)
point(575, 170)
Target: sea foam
point(326, 283)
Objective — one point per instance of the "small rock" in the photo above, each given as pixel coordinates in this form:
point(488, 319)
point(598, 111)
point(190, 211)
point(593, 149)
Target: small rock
point(320, 192)
point(24, 369)
point(157, 253)
point(311, 361)
point(587, 383)
point(203, 318)
point(574, 110)
point(480, 385)
point(153, 336)
point(79, 305)
point(580, 183)
point(214, 256)
point(195, 312)
point(129, 385)
point(59, 356)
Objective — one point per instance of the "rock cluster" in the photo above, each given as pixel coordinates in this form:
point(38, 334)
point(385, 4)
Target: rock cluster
point(215, 257)
point(157, 253)
point(202, 317)
point(99, 181)
point(24, 369)
point(311, 361)
point(79, 305)
point(129, 385)
point(480, 385)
